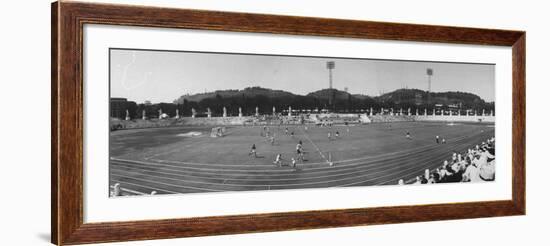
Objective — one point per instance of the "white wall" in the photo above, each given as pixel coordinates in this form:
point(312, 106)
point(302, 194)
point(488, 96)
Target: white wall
point(24, 174)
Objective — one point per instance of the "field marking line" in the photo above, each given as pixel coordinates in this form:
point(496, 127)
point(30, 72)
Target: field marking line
point(314, 145)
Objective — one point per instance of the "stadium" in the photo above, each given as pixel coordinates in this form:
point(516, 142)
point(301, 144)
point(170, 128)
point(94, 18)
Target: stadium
point(190, 155)
point(296, 136)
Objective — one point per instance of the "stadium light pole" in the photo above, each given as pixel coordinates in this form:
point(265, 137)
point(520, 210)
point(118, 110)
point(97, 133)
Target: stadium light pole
point(429, 72)
point(330, 66)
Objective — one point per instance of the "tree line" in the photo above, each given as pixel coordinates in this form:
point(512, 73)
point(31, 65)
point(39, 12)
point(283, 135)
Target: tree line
point(265, 105)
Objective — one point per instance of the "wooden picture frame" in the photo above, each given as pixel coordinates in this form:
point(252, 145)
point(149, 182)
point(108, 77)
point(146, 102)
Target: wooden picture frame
point(68, 20)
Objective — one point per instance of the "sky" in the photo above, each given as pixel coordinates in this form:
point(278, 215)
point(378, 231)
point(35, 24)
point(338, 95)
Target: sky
point(163, 76)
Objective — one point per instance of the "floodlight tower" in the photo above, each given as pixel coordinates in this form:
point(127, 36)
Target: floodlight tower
point(330, 66)
point(429, 72)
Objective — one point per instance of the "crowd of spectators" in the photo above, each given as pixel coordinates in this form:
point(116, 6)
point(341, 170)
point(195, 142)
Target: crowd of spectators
point(474, 165)
point(380, 118)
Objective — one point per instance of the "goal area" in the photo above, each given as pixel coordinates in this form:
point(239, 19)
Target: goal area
point(217, 132)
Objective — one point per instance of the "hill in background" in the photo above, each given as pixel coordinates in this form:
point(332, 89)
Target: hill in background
point(265, 99)
point(419, 97)
point(342, 99)
point(246, 92)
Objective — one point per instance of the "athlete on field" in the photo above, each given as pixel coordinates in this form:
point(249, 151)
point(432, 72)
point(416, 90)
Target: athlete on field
point(300, 151)
point(253, 151)
point(278, 160)
point(293, 162)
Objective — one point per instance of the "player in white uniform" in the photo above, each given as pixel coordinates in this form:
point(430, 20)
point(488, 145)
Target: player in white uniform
point(278, 160)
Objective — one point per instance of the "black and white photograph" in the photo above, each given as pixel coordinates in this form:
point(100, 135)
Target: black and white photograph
point(191, 122)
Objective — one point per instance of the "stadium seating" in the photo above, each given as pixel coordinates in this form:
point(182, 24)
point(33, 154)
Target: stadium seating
point(117, 124)
point(475, 165)
point(455, 118)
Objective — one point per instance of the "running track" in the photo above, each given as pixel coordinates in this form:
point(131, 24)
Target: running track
point(172, 177)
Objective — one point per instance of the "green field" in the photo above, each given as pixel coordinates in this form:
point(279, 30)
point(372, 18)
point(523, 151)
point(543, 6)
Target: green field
point(170, 160)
